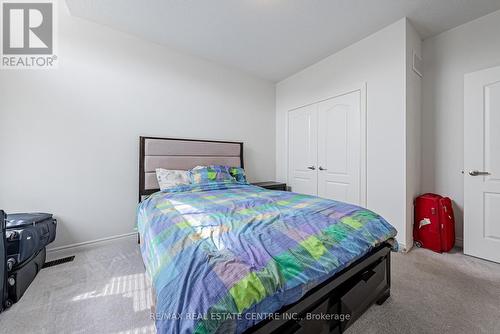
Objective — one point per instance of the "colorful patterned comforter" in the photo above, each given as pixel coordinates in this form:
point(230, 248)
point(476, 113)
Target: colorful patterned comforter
point(220, 254)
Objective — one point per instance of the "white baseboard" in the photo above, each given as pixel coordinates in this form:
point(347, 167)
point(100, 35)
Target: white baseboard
point(402, 248)
point(459, 242)
point(89, 243)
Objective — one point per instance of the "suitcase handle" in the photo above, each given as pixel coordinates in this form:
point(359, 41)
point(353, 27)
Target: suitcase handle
point(3, 222)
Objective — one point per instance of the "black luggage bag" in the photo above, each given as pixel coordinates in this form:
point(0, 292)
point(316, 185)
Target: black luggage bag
point(20, 278)
point(3, 264)
point(22, 252)
point(26, 235)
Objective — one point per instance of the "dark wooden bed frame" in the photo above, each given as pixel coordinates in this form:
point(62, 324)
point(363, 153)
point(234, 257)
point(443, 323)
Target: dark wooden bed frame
point(333, 305)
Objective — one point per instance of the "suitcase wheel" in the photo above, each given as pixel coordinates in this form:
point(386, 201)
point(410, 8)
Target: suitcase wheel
point(418, 244)
point(8, 303)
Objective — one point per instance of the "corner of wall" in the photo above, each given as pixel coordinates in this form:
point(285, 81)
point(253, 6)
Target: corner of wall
point(413, 120)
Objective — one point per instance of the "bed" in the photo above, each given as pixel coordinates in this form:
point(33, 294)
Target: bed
point(231, 257)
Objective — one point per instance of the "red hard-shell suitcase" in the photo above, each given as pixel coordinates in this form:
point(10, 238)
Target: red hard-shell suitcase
point(447, 220)
point(434, 226)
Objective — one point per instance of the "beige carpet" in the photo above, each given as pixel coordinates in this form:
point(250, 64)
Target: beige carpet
point(104, 291)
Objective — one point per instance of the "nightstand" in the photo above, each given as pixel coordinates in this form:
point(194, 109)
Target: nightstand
point(271, 185)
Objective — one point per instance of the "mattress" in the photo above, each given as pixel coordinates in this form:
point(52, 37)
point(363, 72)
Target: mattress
point(222, 256)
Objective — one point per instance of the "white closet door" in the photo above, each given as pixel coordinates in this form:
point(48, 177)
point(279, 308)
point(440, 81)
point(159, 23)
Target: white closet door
point(339, 148)
point(302, 150)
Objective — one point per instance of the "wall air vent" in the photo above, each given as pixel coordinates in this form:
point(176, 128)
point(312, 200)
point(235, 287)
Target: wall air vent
point(58, 261)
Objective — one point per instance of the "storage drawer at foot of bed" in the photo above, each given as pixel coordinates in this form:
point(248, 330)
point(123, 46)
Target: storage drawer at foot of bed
point(332, 307)
point(311, 322)
point(359, 293)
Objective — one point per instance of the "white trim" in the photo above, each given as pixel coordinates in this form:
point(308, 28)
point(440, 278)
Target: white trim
point(414, 67)
point(459, 242)
point(402, 248)
point(92, 242)
point(344, 91)
point(364, 148)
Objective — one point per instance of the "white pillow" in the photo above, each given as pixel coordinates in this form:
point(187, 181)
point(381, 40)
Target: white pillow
point(168, 178)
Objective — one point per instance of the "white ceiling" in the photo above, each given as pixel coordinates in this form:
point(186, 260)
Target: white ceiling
point(272, 38)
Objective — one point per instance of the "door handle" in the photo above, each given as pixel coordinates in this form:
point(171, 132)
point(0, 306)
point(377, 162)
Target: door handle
point(477, 173)
point(321, 168)
point(311, 167)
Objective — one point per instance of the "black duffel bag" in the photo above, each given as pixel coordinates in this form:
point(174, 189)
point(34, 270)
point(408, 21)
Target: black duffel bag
point(22, 252)
point(3, 264)
point(26, 235)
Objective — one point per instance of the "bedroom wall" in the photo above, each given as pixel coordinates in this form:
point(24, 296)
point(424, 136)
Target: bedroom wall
point(447, 57)
point(69, 136)
point(378, 61)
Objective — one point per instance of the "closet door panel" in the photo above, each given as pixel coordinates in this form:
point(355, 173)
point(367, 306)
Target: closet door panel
point(302, 150)
point(339, 148)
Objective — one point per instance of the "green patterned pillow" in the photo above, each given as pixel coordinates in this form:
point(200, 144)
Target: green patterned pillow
point(207, 174)
point(238, 173)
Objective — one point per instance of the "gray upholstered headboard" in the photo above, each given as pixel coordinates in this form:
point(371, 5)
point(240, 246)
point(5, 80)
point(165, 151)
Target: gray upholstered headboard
point(182, 154)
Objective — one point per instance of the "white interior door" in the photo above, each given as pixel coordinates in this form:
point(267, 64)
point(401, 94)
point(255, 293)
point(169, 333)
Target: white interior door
point(302, 149)
point(339, 148)
point(482, 164)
